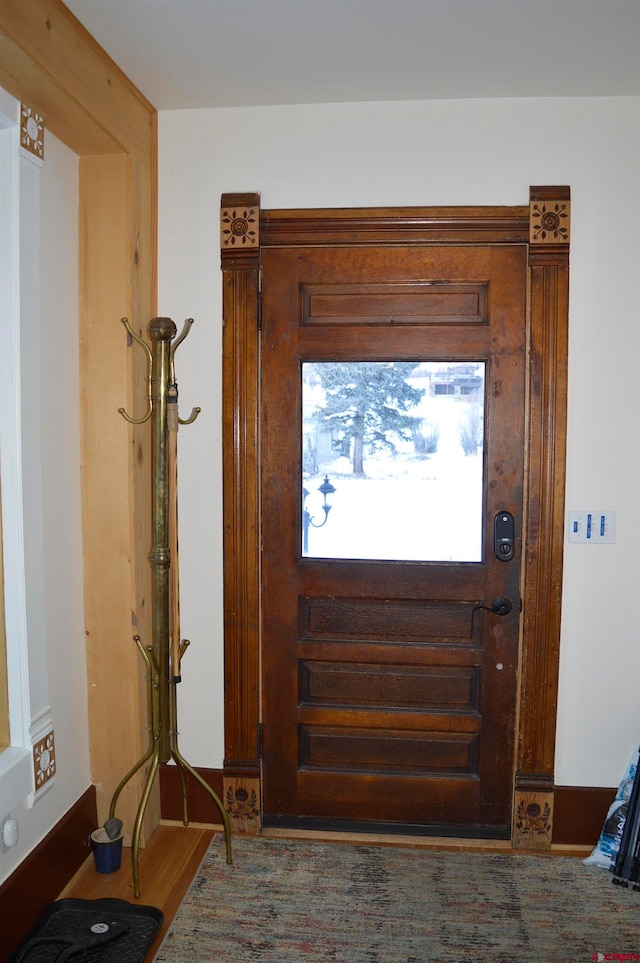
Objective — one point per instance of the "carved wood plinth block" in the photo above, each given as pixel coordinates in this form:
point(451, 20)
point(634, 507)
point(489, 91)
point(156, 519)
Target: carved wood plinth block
point(532, 820)
point(242, 803)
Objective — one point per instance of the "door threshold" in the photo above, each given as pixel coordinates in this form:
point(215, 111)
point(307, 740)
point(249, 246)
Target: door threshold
point(387, 828)
point(401, 840)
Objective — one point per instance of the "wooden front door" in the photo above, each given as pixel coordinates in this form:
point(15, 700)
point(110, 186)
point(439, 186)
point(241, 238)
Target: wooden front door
point(389, 677)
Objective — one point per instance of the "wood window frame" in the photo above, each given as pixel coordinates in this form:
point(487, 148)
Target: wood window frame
point(543, 226)
point(50, 62)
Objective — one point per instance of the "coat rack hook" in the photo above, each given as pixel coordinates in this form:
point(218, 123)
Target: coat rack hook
point(192, 417)
point(147, 414)
point(172, 375)
point(186, 327)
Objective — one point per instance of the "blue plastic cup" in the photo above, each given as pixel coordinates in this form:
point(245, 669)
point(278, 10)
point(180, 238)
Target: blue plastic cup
point(107, 853)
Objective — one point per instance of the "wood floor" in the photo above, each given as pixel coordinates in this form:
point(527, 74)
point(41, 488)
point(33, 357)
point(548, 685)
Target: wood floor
point(167, 866)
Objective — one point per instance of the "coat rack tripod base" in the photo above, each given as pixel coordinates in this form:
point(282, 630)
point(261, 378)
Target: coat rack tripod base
point(163, 658)
point(153, 754)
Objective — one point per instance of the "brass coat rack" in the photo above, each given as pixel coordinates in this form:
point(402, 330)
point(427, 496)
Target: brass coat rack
point(163, 656)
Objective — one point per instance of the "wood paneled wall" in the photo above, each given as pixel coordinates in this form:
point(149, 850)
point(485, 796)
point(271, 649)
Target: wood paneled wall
point(51, 63)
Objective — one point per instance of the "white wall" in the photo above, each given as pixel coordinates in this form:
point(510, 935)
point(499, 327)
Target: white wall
point(52, 426)
point(429, 153)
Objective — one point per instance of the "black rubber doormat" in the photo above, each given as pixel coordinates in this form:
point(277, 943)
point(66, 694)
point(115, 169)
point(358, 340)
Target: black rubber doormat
point(91, 931)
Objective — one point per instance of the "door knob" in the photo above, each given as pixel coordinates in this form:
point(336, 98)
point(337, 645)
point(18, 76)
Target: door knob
point(501, 606)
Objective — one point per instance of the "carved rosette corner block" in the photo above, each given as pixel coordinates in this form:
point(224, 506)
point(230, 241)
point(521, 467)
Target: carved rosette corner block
point(31, 131)
point(549, 217)
point(532, 821)
point(239, 227)
point(242, 804)
point(44, 760)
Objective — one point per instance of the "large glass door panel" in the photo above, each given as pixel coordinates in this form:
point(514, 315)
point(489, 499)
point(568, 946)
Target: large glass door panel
point(392, 465)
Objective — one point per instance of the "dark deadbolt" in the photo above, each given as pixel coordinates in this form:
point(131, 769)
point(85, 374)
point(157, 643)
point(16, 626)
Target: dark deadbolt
point(503, 536)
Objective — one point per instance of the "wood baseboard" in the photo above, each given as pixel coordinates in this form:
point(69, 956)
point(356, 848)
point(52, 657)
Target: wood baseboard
point(579, 811)
point(45, 872)
point(200, 806)
point(579, 814)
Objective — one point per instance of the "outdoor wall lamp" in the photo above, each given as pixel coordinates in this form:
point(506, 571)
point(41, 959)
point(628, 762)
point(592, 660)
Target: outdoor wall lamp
point(326, 489)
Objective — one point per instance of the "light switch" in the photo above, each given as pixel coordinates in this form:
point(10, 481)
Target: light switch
point(592, 527)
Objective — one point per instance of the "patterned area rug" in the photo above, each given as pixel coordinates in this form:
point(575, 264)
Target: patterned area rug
point(288, 901)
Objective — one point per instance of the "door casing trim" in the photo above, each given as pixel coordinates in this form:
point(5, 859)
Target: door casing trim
point(544, 227)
